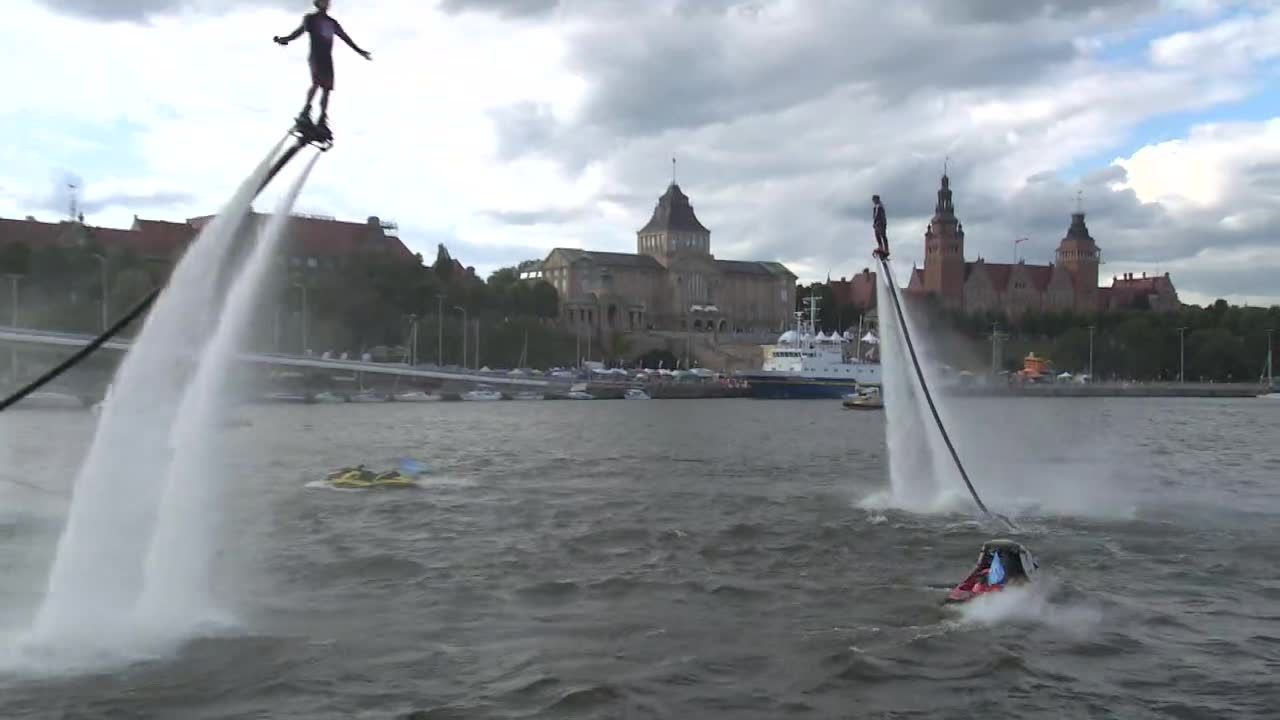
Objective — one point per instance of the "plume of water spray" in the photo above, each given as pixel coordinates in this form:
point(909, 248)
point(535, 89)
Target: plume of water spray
point(921, 473)
point(98, 569)
point(176, 595)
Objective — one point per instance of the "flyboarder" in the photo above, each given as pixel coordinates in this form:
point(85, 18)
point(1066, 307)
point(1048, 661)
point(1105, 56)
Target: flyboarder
point(321, 27)
point(880, 225)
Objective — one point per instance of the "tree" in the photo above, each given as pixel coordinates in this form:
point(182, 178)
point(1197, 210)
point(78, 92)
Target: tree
point(546, 301)
point(15, 258)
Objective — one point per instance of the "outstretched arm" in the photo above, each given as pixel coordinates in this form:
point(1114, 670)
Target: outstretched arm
point(291, 36)
point(347, 39)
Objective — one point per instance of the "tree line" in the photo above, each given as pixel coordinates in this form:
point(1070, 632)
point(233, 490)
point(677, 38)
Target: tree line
point(1219, 342)
point(364, 302)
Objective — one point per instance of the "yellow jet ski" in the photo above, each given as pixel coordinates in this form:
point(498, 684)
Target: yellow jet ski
point(359, 478)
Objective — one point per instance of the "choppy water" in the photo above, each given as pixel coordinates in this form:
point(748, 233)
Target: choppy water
point(691, 559)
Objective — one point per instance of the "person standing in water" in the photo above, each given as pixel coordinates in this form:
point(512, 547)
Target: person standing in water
point(880, 225)
point(321, 27)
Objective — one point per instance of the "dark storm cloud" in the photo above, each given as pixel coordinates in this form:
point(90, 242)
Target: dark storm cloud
point(142, 10)
point(1004, 11)
point(523, 126)
point(546, 216)
point(506, 8)
point(651, 70)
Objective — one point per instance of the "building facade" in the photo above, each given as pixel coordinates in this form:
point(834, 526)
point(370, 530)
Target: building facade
point(1068, 284)
point(672, 282)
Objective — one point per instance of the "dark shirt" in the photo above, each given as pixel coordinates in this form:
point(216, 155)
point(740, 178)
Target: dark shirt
point(321, 28)
point(878, 216)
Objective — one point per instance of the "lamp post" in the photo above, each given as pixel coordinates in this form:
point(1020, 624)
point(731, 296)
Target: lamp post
point(413, 340)
point(477, 352)
point(439, 329)
point(14, 279)
point(464, 334)
point(1182, 356)
point(1091, 329)
point(305, 330)
point(102, 262)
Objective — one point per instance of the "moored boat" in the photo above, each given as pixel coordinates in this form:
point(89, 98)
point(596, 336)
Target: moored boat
point(865, 399)
point(807, 363)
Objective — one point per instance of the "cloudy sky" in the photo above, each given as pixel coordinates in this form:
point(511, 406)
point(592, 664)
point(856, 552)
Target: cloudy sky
point(504, 128)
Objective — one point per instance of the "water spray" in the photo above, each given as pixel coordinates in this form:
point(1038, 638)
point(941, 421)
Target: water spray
point(892, 287)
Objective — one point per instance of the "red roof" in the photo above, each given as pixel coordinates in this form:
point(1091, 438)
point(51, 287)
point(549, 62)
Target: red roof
point(157, 238)
point(1040, 276)
point(860, 290)
point(998, 273)
point(29, 232)
point(325, 237)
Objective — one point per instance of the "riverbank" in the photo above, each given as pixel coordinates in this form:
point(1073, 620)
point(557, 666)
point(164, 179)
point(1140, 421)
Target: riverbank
point(1129, 390)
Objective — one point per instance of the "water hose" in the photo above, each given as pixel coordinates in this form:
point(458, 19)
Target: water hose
point(134, 312)
point(915, 361)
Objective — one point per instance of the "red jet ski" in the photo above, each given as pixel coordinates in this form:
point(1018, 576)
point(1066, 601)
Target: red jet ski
point(1001, 563)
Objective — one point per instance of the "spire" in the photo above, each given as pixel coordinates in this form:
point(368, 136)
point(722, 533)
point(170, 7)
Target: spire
point(673, 213)
point(1080, 203)
point(944, 210)
point(673, 171)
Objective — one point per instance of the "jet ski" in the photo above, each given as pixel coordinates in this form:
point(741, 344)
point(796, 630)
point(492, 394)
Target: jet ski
point(360, 478)
point(1001, 563)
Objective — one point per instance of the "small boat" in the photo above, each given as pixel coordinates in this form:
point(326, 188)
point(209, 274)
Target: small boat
point(326, 397)
point(287, 397)
point(415, 396)
point(358, 478)
point(1001, 563)
point(52, 401)
point(482, 395)
point(636, 394)
point(865, 399)
point(368, 396)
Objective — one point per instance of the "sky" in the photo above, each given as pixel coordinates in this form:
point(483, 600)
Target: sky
point(505, 128)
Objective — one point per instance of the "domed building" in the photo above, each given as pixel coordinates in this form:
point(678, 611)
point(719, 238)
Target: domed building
point(672, 282)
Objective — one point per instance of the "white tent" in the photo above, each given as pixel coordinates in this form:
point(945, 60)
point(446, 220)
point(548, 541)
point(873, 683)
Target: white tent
point(869, 338)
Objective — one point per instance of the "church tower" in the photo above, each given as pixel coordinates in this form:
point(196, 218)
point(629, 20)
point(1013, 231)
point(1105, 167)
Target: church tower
point(944, 251)
point(673, 230)
point(1079, 254)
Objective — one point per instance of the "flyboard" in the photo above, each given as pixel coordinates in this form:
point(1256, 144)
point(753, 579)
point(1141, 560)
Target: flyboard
point(304, 133)
point(883, 257)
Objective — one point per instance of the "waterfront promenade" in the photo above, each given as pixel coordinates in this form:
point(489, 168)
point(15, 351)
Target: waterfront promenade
point(1122, 390)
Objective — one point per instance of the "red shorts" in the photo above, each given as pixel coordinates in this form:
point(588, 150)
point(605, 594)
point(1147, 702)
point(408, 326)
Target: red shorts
point(322, 73)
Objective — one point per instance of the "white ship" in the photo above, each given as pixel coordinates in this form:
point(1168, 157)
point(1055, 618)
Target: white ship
point(805, 364)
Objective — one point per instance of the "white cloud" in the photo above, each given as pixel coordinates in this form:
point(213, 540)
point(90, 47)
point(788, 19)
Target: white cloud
point(517, 132)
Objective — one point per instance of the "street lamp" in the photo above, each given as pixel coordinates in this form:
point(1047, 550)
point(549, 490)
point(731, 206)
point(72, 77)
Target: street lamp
point(102, 262)
point(305, 334)
point(1091, 329)
point(464, 334)
point(477, 353)
point(14, 278)
point(413, 340)
point(1182, 356)
point(439, 329)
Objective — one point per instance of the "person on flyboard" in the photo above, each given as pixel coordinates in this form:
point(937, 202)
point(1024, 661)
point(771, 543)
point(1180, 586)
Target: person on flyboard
point(321, 27)
point(880, 225)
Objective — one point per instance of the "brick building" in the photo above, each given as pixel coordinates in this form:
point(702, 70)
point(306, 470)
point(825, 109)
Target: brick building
point(1068, 284)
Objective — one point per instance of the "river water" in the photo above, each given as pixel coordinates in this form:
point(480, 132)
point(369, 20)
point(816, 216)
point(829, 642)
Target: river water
point(693, 559)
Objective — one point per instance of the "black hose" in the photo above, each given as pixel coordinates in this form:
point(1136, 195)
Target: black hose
point(83, 352)
point(902, 322)
point(133, 313)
